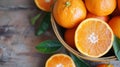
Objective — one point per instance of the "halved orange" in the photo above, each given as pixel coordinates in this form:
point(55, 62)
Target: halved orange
point(44, 5)
point(93, 37)
point(60, 60)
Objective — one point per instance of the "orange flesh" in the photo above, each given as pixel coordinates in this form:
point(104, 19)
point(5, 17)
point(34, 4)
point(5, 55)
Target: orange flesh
point(44, 4)
point(93, 38)
point(60, 60)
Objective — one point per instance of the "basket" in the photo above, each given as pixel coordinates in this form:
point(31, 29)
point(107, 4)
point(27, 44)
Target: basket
point(59, 34)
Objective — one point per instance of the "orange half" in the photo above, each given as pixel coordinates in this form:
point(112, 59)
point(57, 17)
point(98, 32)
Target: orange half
point(93, 37)
point(44, 5)
point(60, 60)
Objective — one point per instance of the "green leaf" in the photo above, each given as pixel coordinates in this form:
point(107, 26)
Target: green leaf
point(116, 47)
point(48, 46)
point(44, 25)
point(79, 62)
point(34, 19)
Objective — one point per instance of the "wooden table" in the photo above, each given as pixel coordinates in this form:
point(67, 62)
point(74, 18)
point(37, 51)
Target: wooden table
point(17, 39)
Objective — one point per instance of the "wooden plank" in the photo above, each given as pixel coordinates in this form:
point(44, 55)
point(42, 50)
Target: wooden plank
point(17, 40)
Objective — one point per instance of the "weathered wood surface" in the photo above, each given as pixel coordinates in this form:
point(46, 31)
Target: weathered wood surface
point(17, 39)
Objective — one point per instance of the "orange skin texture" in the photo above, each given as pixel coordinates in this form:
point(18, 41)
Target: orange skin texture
point(90, 15)
point(43, 5)
point(69, 16)
point(115, 25)
point(105, 65)
point(69, 37)
point(101, 7)
point(118, 4)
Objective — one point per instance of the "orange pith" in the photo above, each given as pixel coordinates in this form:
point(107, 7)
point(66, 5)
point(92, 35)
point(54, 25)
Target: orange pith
point(69, 13)
point(60, 60)
point(44, 5)
point(93, 37)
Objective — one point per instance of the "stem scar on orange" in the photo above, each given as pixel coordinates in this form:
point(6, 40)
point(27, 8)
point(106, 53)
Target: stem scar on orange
point(44, 5)
point(60, 60)
point(105, 65)
point(115, 25)
point(69, 13)
point(93, 37)
point(101, 7)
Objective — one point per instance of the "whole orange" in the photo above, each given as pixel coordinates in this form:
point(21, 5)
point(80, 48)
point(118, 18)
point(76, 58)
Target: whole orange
point(69, 13)
point(90, 15)
point(69, 37)
point(100, 7)
point(115, 25)
point(105, 65)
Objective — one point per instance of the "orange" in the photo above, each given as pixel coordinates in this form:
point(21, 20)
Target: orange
point(69, 13)
point(105, 65)
point(118, 4)
point(101, 7)
point(116, 12)
point(44, 5)
point(69, 37)
point(93, 37)
point(60, 60)
point(115, 25)
point(90, 15)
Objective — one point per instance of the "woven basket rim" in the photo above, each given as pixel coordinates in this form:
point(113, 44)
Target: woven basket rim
point(75, 52)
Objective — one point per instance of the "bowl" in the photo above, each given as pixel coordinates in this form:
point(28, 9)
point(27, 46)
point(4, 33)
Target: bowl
point(59, 32)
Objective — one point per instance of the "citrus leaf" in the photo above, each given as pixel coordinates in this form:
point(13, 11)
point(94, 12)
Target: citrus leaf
point(116, 47)
point(44, 25)
point(48, 46)
point(34, 19)
point(79, 62)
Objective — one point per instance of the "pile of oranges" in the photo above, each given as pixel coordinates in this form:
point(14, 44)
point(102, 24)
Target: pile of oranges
point(90, 24)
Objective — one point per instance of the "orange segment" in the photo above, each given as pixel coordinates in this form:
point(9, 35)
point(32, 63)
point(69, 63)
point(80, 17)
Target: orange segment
point(44, 5)
point(60, 60)
point(93, 37)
